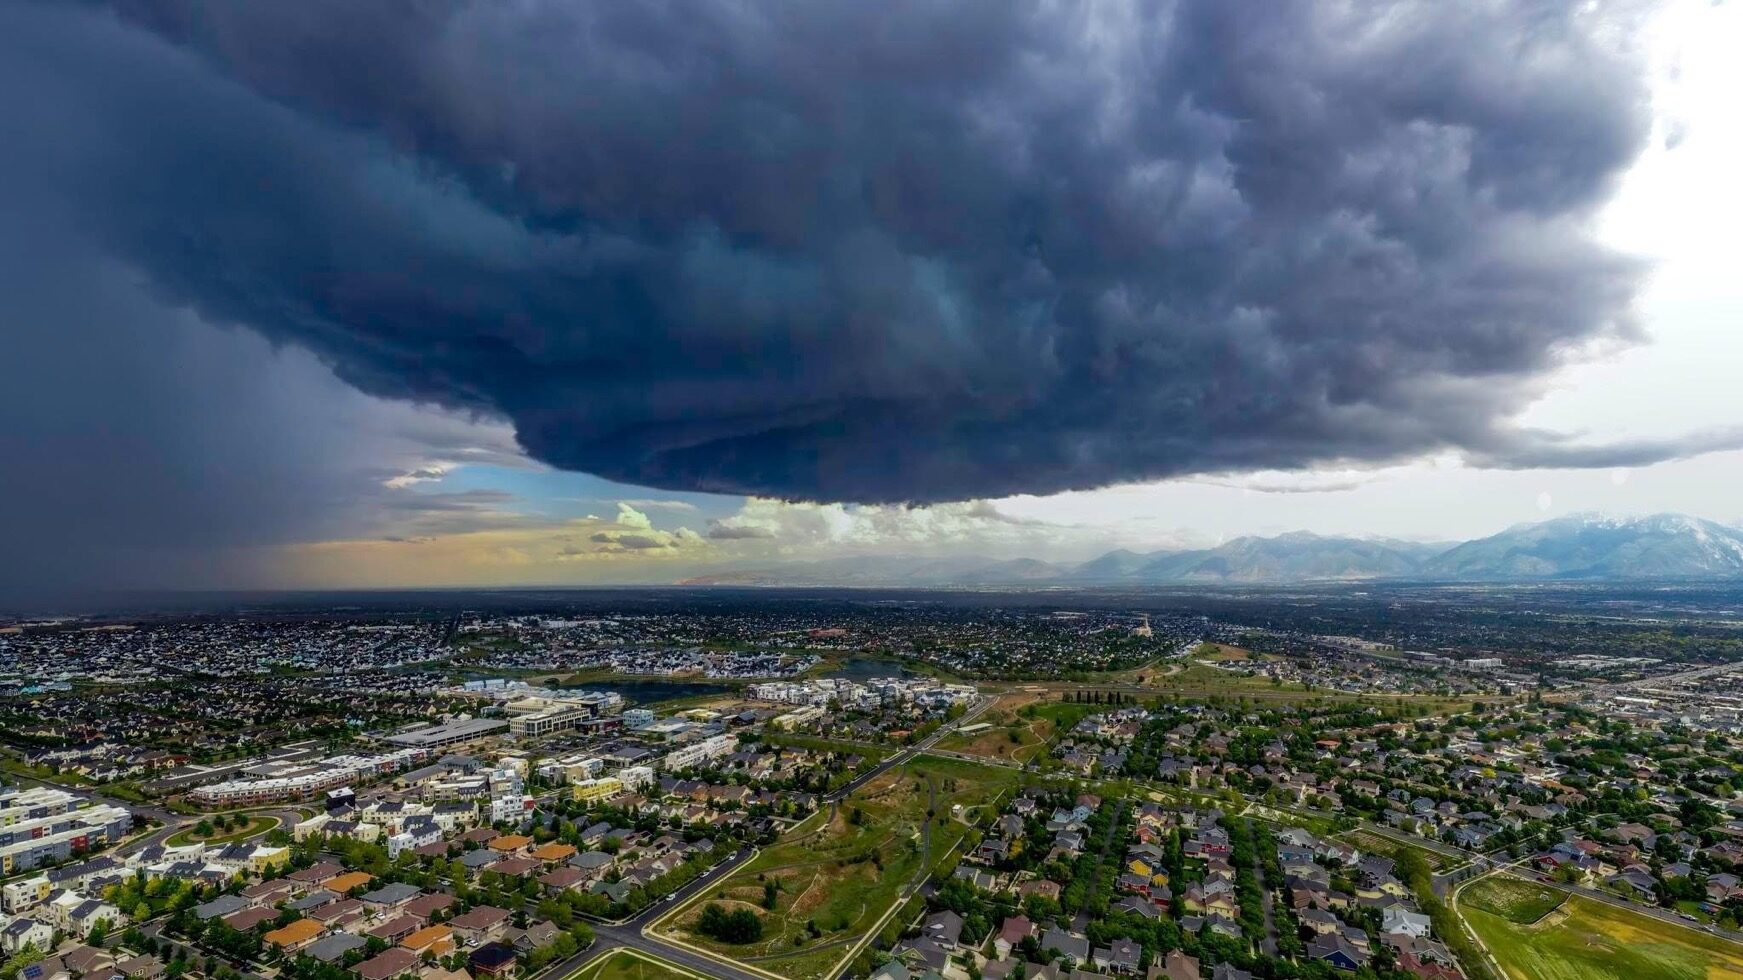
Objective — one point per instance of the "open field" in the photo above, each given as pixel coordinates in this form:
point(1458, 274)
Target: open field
point(1012, 735)
point(626, 964)
point(1052, 719)
point(1373, 843)
point(1201, 680)
point(1588, 940)
point(1223, 653)
point(1518, 901)
point(837, 874)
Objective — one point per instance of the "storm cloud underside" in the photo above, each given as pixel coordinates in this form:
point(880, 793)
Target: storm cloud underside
point(872, 252)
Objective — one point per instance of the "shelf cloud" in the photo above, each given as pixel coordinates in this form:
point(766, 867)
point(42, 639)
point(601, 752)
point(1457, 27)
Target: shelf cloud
point(873, 253)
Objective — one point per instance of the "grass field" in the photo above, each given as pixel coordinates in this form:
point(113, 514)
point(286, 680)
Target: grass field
point(1223, 653)
point(836, 875)
point(624, 964)
point(1588, 940)
point(1054, 718)
point(1013, 735)
point(1373, 843)
point(1201, 680)
point(1519, 902)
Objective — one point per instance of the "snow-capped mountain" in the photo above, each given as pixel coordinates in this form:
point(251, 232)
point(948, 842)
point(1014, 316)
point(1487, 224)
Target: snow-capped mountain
point(1583, 546)
point(1592, 546)
point(1296, 557)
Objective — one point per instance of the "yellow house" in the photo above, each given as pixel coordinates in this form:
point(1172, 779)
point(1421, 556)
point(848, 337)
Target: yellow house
point(31, 891)
point(1139, 866)
point(604, 788)
point(265, 858)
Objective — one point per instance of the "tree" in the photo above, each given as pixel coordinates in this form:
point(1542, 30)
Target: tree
point(738, 927)
point(29, 954)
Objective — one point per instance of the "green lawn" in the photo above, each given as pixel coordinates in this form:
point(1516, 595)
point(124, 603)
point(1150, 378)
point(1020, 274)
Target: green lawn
point(1588, 940)
point(817, 743)
point(1374, 843)
point(1517, 901)
point(1224, 653)
point(256, 826)
point(837, 874)
point(1199, 680)
point(626, 965)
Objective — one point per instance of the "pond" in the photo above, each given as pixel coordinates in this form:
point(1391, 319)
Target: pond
point(645, 692)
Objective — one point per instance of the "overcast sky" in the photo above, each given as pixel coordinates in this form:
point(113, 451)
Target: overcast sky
point(308, 294)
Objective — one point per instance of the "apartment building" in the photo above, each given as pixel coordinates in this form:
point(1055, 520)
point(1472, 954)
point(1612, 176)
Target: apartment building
point(62, 828)
point(590, 790)
point(708, 749)
point(307, 782)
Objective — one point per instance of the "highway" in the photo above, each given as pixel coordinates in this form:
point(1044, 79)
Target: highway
point(1649, 682)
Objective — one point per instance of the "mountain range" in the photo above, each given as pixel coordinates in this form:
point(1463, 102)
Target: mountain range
point(1581, 547)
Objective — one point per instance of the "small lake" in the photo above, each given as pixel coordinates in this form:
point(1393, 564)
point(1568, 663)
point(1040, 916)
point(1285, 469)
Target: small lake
point(654, 691)
point(869, 668)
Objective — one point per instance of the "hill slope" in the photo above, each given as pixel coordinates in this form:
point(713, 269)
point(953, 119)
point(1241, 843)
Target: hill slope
point(1296, 557)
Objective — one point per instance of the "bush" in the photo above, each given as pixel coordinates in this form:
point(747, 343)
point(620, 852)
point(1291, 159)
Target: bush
point(738, 926)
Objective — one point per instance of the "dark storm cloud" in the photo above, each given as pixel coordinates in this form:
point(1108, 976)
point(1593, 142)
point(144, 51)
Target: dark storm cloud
point(873, 252)
point(1534, 449)
point(143, 449)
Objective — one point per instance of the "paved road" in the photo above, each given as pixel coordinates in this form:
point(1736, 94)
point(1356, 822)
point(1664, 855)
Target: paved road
point(924, 745)
point(1101, 859)
point(194, 955)
point(984, 760)
point(1267, 902)
point(628, 933)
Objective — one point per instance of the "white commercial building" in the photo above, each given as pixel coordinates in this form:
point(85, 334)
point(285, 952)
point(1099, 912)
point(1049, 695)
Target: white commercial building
point(708, 749)
point(312, 780)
